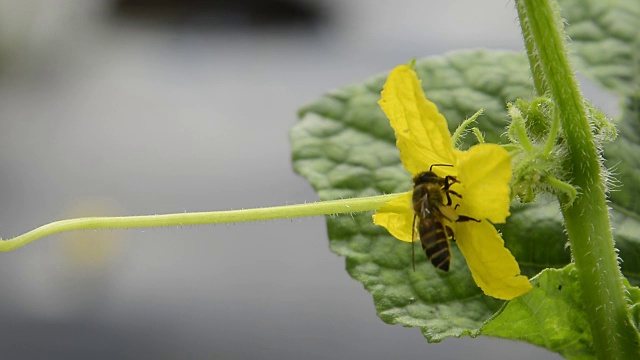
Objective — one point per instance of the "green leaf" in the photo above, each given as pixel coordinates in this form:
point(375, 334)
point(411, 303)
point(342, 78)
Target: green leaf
point(624, 179)
point(544, 245)
point(606, 41)
point(551, 315)
point(344, 146)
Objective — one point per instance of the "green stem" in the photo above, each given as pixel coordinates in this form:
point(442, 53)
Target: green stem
point(463, 127)
point(553, 134)
point(539, 79)
point(517, 123)
point(198, 218)
point(587, 221)
point(564, 189)
point(478, 135)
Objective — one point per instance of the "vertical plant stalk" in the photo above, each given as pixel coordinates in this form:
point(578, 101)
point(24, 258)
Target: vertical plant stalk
point(539, 79)
point(587, 220)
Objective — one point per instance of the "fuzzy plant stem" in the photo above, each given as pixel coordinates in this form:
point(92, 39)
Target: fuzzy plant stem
point(539, 78)
point(587, 220)
point(198, 218)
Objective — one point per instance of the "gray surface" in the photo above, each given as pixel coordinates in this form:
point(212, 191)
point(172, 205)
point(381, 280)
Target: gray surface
point(102, 117)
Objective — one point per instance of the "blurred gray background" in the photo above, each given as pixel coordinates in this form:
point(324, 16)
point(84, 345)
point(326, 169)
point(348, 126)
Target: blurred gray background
point(145, 107)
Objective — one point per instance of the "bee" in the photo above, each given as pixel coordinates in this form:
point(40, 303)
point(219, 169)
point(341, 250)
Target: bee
point(430, 210)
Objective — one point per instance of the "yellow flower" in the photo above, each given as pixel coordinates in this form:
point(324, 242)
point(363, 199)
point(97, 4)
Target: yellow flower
point(483, 173)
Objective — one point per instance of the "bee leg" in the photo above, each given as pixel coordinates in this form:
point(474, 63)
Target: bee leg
point(463, 218)
point(432, 165)
point(456, 207)
point(448, 181)
point(448, 193)
point(449, 233)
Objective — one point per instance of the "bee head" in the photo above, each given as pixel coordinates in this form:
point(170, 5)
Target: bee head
point(426, 177)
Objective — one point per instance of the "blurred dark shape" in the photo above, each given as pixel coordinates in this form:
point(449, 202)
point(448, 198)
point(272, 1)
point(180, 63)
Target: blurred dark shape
point(218, 14)
point(25, 338)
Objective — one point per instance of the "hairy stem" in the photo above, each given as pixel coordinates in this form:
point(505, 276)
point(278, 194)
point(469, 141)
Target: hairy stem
point(539, 78)
point(553, 134)
point(463, 127)
point(199, 218)
point(587, 220)
point(517, 123)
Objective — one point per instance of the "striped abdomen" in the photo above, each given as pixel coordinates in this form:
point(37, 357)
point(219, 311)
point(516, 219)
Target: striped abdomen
point(435, 241)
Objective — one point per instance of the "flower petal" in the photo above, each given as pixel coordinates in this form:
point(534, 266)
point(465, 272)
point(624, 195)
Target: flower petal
point(397, 217)
point(421, 131)
point(485, 173)
point(492, 266)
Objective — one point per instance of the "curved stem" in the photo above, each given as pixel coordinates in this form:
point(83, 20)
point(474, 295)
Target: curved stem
point(463, 127)
point(478, 135)
point(198, 218)
point(553, 134)
point(517, 123)
point(563, 188)
point(587, 220)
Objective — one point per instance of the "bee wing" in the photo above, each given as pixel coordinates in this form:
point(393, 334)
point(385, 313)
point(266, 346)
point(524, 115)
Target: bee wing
point(448, 213)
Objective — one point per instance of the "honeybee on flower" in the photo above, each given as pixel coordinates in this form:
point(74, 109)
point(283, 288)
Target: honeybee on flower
point(478, 178)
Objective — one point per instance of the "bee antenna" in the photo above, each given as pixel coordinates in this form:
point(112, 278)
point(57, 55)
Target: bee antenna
point(432, 165)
